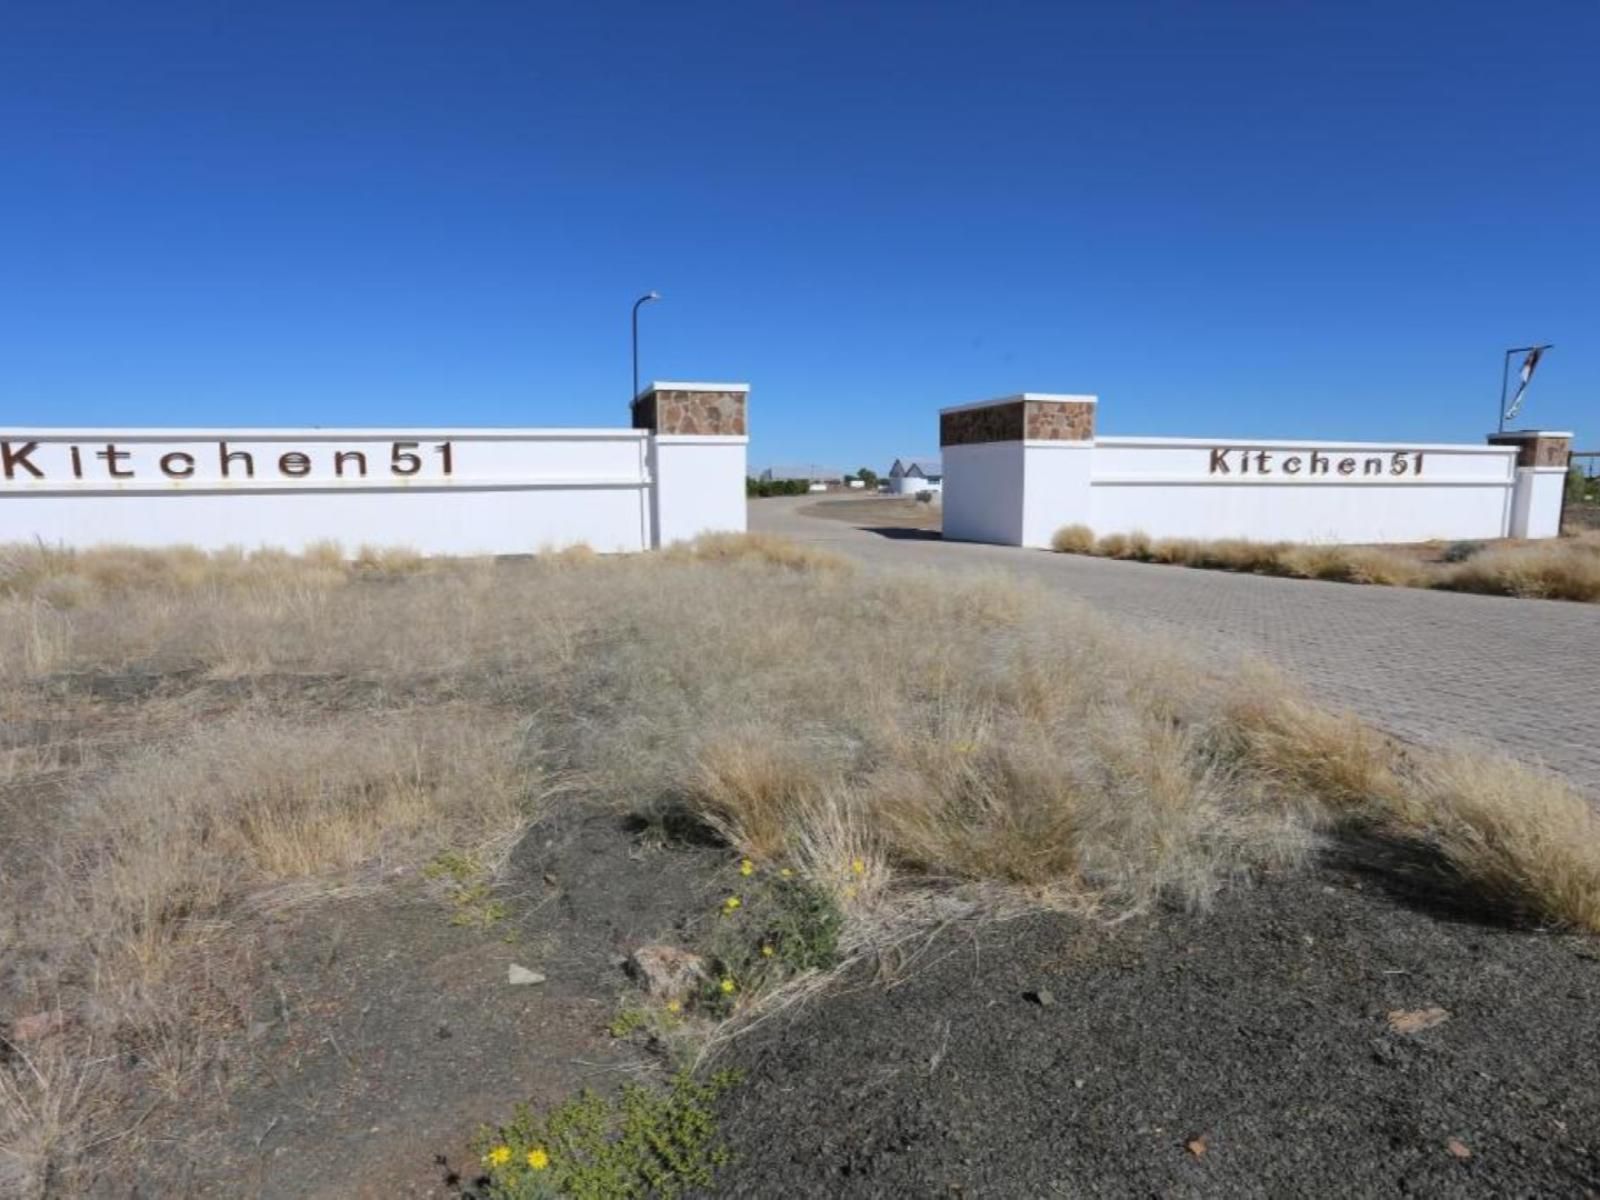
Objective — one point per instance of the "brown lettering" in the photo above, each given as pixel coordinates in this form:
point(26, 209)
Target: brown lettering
point(113, 456)
point(181, 471)
point(1418, 469)
point(1291, 465)
point(1373, 466)
point(1319, 463)
point(1347, 466)
point(229, 457)
point(1219, 462)
point(1263, 461)
point(359, 457)
point(294, 464)
point(1398, 464)
point(77, 462)
point(12, 459)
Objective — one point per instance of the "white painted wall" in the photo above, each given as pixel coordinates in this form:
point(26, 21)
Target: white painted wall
point(1166, 488)
point(700, 485)
point(1020, 493)
point(910, 485)
point(468, 491)
point(1536, 505)
point(983, 492)
point(1057, 488)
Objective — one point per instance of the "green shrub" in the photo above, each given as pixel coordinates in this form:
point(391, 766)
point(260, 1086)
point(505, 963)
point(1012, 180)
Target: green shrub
point(776, 487)
point(1457, 552)
point(642, 1142)
point(772, 925)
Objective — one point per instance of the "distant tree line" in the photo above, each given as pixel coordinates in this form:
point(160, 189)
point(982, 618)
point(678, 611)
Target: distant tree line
point(776, 487)
point(799, 487)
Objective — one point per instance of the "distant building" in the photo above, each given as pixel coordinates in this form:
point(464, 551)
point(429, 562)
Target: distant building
point(810, 473)
point(911, 475)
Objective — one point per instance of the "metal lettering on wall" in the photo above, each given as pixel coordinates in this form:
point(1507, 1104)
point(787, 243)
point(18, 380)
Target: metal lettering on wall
point(23, 461)
point(1313, 464)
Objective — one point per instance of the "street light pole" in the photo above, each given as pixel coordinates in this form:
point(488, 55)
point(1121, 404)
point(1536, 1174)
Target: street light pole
point(1505, 376)
point(644, 299)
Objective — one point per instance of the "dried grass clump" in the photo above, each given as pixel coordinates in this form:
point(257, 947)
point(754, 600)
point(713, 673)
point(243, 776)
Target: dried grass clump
point(1555, 570)
point(764, 548)
point(182, 830)
point(1568, 569)
point(1241, 554)
point(1073, 539)
point(251, 729)
point(1353, 564)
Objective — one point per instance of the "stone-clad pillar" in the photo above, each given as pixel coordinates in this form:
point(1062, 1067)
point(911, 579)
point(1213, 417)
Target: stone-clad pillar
point(698, 442)
point(1016, 469)
point(1541, 478)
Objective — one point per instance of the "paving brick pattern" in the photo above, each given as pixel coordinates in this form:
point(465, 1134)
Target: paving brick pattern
point(1523, 675)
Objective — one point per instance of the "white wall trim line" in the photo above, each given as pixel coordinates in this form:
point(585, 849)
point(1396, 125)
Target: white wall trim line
point(662, 385)
point(384, 433)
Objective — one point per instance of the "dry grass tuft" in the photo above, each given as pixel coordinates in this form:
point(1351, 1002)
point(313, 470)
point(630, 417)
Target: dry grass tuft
point(1073, 539)
point(763, 548)
point(1557, 570)
point(1565, 569)
point(181, 830)
point(204, 735)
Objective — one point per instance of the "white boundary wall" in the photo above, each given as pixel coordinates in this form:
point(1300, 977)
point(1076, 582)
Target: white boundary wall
point(439, 491)
point(1018, 490)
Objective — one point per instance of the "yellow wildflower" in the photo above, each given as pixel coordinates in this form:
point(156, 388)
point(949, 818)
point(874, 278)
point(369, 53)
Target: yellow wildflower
point(674, 1007)
point(786, 873)
point(727, 987)
point(766, 952)
point(746, 867)
point(538, 1159)
point(499, 1156)
point(858, 866)
point(731, 903)
point(964, 747)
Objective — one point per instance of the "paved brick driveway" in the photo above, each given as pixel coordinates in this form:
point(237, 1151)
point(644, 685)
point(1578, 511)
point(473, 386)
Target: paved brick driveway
point(1435, 666)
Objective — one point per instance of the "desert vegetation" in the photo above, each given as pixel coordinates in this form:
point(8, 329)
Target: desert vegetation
point(192, 740)
point(1567, 568)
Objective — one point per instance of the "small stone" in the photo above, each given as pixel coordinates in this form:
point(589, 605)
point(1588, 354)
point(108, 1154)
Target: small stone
point(1459, 1148)
point(1415, 1020)
point(1197, 1146)
point(39, 1025)
point(443, 1033)
point(667, 972)
point(517, 976)
point(1043, 997)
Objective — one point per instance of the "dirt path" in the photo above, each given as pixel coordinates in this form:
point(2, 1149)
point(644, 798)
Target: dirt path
point(1434, 666)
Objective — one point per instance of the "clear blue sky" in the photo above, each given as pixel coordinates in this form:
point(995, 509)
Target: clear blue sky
point(1240, 219)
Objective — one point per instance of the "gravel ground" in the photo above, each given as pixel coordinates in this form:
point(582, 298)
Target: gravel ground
point(1244, 1052)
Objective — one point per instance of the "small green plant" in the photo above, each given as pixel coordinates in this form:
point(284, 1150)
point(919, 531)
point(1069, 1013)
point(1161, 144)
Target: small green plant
point(774, 925)
point(641, 1142)
point(628, 1022)
point(470, 889)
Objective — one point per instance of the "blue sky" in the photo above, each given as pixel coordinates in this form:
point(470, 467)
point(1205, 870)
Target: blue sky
point(1239, 219)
